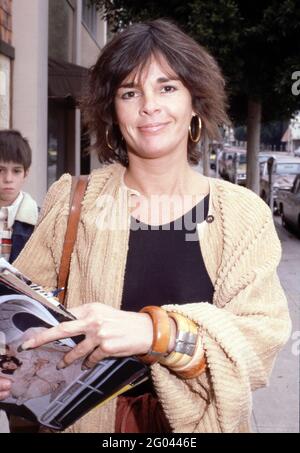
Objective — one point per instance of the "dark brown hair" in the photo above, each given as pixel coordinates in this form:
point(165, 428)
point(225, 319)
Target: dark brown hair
point(6, 359)
point(130, 51)
point(15, 148)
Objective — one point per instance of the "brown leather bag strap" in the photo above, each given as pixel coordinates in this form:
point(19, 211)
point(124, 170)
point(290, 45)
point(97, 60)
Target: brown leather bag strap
point(78, 188)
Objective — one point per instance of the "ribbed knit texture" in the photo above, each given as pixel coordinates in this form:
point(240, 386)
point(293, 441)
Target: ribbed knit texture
point(242, 331)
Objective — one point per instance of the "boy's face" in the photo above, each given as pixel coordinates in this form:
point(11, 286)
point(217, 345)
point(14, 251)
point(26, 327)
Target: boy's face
point(12, 176)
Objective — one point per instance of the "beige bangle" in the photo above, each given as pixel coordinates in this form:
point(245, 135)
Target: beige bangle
point(185, 342)
point(197, 364)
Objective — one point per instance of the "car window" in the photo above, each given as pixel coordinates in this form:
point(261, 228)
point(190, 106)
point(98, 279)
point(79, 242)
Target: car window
point(262, 158)
point(290, 168)
point(261, 169)
point(242, 159)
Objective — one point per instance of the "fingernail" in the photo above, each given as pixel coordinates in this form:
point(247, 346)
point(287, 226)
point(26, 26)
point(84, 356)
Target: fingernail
point(27, 345)
point(22, 349)
point(85, 366)
point(60, 366)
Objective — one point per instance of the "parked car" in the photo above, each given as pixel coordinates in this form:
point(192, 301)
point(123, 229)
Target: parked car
point(284, 171)
point(212, 159)
point(237, 171)
point(263, 157)
point(289, 205)
point(225, 162)
point(239, 161)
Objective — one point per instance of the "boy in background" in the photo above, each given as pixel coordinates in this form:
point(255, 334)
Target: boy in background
point(18, 211)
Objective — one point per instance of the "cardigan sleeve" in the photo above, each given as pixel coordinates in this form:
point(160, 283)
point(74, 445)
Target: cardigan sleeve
point(240, 339)
point(39, 259)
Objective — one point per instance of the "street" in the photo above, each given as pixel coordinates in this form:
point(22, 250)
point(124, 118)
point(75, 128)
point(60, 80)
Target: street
point(276, 408)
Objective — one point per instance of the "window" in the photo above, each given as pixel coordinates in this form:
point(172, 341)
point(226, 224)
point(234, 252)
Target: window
point(89, 17)
point(242, 158)
point(287, 168)
point(61, 45)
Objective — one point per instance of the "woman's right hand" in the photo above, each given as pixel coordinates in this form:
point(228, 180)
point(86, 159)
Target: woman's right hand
point(5, 386)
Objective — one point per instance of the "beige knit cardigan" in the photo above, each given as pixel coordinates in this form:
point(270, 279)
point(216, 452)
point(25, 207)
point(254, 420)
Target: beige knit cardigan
point(242, 330)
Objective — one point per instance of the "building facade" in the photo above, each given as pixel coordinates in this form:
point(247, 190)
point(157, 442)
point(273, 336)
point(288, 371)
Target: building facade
point(291, 136)
point(6, 62)
point(53, 42)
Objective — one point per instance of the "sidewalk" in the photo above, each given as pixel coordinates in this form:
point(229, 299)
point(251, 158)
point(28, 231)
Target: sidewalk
point(276, 408)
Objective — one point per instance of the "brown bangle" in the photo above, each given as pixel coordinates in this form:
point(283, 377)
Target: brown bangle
point(161, 334)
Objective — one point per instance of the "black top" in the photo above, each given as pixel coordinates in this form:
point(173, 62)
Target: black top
point(165, 265)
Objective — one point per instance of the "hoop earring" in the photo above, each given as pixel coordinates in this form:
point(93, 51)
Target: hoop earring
point(107, 139)
point(199, 125)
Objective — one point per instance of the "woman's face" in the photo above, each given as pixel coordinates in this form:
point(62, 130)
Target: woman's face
point(154, 112)
point(9, 365)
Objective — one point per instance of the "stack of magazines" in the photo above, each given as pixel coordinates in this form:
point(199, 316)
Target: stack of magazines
point(40, 392)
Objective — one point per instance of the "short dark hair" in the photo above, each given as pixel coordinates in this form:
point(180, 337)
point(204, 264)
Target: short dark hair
point(15, 148)
point(131, 51)
point(8, 358)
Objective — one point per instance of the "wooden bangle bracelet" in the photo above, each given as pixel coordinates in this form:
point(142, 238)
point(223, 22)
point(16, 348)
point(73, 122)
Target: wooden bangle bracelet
point(193, 371)
point(161, 334)
point(186, 329)
point(197, 364)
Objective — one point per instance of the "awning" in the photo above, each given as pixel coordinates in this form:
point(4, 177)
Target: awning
point(287, 136)
point(66, 80)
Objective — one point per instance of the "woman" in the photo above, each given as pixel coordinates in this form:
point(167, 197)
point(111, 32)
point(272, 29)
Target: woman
point(154, 232)
point(32, 373)
point(9, 364)
point(32, 378)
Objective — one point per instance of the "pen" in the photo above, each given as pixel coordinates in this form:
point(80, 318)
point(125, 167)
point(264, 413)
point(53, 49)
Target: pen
point(57, 291)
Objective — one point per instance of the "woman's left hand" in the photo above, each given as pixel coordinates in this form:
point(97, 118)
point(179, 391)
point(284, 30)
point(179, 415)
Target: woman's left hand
point(108, 332)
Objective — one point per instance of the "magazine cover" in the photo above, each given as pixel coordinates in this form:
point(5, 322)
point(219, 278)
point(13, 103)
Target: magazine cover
point(40, 392)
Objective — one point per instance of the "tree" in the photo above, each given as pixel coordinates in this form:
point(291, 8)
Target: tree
point(270, 136)
point(256, 44)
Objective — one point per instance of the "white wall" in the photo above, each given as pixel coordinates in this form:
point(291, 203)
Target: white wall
point(91, 46)
point(90, 50)
point(30, 85)
point(4, 91)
